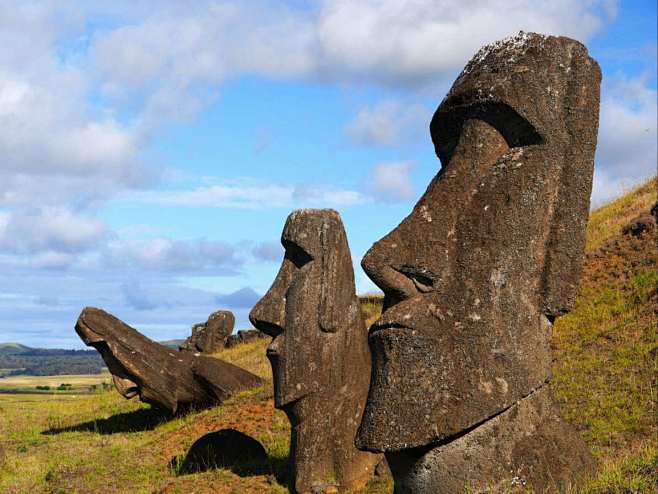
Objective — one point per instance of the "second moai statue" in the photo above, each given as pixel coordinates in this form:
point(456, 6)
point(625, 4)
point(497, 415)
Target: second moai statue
point(209, 336)
point(319, 354)
point(475, 276)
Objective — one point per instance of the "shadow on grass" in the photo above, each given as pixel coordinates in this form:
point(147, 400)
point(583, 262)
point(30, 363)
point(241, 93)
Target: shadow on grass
point(234, 451)
point(144, 419)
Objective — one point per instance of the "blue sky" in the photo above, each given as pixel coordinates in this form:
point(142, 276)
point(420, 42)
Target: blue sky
point(151, 151)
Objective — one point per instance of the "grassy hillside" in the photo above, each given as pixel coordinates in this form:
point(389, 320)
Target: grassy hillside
point(13, 349)
point(603, 377)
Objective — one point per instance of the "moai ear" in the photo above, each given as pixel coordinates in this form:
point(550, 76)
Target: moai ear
point(336, 278)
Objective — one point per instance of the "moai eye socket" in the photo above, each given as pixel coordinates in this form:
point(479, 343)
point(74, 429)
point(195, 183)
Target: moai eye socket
point(447, 125)
point(295, 254)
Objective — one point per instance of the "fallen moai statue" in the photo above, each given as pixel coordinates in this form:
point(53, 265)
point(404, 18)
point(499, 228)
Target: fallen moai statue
point(475, 276)
point(160, 376)
point(319, 354)
point(209, 337)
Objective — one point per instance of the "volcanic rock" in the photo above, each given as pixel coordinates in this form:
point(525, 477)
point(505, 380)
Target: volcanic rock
point(319, 354)
point(160, 376)
point(209, 337)
point(491, 254)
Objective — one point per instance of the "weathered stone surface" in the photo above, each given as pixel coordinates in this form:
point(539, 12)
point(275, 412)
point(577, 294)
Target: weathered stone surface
point(319, 354)
point(209, 337)
point(491, 254)
point(224, 448)
point(527, 447)
point(158, 375)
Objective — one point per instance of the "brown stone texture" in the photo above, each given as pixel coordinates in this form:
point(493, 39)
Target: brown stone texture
point(508, 453)
point(491, 253)
point(319, 353)
point(209, 337)
point(160, 376)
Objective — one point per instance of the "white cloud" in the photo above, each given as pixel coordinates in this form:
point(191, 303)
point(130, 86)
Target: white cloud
point(49, 229)
point(627, 148)
point(391, 181)
point(392, 42)
point(164, 255)
point(250, 195)
point(389, 122)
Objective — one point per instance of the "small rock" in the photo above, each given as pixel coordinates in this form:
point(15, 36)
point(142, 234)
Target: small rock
point(225, 448)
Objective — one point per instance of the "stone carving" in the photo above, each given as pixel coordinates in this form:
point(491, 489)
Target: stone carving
point(209, 337)
point(160, 376)
point(475, 276)
point(319, 354)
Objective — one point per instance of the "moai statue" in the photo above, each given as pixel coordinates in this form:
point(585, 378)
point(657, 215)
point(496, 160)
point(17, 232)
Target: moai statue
point(165, 378)
point(319, 354)
point(475, 276)
point(209, 336)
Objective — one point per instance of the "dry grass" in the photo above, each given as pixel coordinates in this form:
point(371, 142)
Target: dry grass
point(249, 356)
point(607, 221)
point(604, 378)
point(78, 381)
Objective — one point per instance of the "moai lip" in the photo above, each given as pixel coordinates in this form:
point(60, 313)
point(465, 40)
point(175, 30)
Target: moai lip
point(165, 378)
point(490, 255)
point(319, 353)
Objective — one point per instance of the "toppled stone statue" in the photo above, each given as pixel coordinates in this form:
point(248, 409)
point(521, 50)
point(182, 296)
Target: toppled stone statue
point(167, 379)
point(209, 337)
point(319, 354)
point(475, 276)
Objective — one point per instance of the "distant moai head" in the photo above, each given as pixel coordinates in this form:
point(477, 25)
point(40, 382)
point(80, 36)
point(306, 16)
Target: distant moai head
point(311, 309)
point(491, 253)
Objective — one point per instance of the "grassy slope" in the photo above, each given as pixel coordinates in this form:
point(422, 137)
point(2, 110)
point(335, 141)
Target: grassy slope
point(13, 348)
point(605, 359)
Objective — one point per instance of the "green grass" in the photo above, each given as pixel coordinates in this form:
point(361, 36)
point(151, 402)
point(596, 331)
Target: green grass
point(603, 377)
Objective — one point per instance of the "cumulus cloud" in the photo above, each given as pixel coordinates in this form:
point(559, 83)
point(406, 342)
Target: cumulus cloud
point(391, 181)
point(164, 255)
point(49, 229)
point(391, 42)
point(627, 145)
point(388, 122)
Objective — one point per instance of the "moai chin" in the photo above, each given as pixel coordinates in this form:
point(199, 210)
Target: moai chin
point(475, 276)
point(319, 354)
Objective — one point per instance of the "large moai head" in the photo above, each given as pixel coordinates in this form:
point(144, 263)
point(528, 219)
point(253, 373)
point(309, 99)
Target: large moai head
point(319, 352)
point(491, 253)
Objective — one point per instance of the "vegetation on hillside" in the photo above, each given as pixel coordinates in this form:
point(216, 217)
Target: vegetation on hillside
point(603, 377)
point(49, 362)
